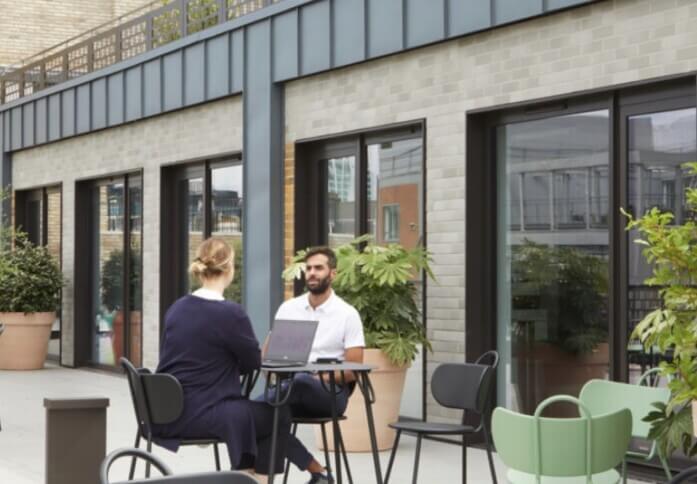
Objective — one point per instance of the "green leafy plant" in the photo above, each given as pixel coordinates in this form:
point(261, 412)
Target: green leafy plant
point(570, 286)
point(672, 250)
point(112, 279)
point(30, 278)
point(379, 281)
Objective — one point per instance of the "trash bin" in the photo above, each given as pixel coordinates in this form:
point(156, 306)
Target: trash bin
point(75, 439)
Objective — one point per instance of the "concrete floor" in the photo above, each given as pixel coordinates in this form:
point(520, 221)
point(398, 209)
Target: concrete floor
point(22, 439)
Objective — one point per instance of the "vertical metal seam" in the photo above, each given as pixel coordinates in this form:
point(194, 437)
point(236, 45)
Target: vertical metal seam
point(366, 31)
point(332, 28)
point(300, 70)
point(231, 60)
point(446, 14)
point(205, 70)
point(162, 87)
point(405, 24)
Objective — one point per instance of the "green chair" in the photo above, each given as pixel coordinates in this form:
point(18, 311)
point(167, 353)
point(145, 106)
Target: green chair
point(541, 450)
point(603, 396)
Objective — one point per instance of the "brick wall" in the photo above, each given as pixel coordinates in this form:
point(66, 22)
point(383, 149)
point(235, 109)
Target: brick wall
point(595, 46)
point(207, 130)
point(30, 26)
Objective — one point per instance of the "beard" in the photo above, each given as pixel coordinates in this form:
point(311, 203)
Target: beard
point(321, 287)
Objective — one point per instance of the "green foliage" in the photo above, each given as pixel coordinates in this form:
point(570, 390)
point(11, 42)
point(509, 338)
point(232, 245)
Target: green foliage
point(570, 285)
point(379, 282)
point(672, 250)
point(234, 291)
point(30, 279)
point(671, 428)
point(112, 280)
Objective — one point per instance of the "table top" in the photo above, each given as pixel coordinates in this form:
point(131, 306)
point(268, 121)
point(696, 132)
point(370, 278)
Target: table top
point(321, 367)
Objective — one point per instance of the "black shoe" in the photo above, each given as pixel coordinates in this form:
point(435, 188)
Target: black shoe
point(321, 479)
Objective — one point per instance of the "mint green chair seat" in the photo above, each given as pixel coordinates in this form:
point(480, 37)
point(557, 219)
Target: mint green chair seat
point(541, 450)
point(603, 396)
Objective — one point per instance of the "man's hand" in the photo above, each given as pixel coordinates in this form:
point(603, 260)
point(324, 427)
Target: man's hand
point(353, 355)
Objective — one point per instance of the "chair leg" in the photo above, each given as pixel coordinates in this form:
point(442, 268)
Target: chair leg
point(327, 460)
point(464, 458)
point(133, 459)
point(488, 453)
point(147, 466)
point(217, 456)
point(346, 464)
point(624, 470)
point(394, 451)
point(416, 459)
point(293, 430)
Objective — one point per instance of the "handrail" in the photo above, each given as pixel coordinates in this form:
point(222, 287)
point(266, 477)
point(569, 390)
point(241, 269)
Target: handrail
point(105, 45)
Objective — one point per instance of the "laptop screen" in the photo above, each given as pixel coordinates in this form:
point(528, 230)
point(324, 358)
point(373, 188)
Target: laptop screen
point(291, 340)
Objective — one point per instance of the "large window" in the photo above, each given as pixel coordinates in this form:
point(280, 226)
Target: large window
point(199, 201)
point(38, 213)
point(368, 183)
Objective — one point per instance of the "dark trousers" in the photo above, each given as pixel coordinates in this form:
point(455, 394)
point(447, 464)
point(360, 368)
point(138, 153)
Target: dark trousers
point(262, 413)
point(310, 400)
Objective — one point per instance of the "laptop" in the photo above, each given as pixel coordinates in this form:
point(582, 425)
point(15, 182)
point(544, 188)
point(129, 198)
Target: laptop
point(290, 343)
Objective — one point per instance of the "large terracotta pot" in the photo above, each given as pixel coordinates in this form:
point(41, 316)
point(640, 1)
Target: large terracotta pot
point(117, 343)
point(388, 383)
point(24, 343)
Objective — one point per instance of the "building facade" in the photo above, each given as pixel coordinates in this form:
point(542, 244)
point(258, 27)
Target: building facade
point(503, 135)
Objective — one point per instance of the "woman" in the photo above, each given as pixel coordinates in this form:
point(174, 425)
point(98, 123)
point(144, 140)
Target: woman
point(208, 342)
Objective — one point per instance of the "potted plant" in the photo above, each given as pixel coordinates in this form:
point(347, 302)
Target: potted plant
point(672, 250)
point(112, 300)
point(380, 282)
point(559, 318)
point(30, 295)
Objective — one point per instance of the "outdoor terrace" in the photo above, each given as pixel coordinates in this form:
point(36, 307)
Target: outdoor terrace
point(139, 31)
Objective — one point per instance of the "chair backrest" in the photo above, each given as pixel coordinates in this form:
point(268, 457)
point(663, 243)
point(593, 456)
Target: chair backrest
point(224, 477)
point(561, 447)
point(164, 396)
point(684, 475)
point(603, 396)
point(140, 405)
point(490, 358)
point(465, 386)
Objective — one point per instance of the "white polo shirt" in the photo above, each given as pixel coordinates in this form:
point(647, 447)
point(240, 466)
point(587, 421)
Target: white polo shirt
point(339, 326)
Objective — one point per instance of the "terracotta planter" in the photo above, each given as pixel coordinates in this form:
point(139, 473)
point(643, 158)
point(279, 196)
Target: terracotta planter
point(388, 383)
point(24, 343)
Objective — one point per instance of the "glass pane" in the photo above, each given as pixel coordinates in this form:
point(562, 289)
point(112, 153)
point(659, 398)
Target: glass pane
point(659, 143)
point(107, 245)
point(227, 200)
point(341, 202)
point(53, 244)
point(192, 191)
point(135, 282)
point(395, 181)
point(552, 258)
point(394, 191)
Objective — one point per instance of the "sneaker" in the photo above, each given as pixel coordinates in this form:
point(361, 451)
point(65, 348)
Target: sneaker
point(321, 479)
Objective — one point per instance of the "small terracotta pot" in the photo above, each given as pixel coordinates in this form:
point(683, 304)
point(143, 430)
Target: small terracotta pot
point(388, 383)
point(24, 343)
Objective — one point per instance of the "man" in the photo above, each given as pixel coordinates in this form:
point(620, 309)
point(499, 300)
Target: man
point(339, 335)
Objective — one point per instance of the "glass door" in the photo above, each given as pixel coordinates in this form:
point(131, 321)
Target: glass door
point(552, 257)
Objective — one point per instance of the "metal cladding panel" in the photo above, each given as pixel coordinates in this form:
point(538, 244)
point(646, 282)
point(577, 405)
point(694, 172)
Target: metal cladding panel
point(16, 128)
point(172, 81)
point(98, 103)
point(28, 125)
point(466, 16)
point(506, 11)
point(54, 117)
point(237, 64)
point(152, 88)
point(349, 32)
point(555, 4)
point(194, 74)
point(68, 113)
point(425, 21)
point(285, 46)
point(385, 27)
point(315, 43)
point(115, 99)
point(83, 108)
point(5, 133)
point(134, 93)
point(41, 115)
point(217, 66)
point(2, 144)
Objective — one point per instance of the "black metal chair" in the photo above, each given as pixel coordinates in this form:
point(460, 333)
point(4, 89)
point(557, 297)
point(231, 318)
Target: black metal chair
point(225, 477)
point(158, 399)
point(322, 422)
point(464, 386)
point(684, 476)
